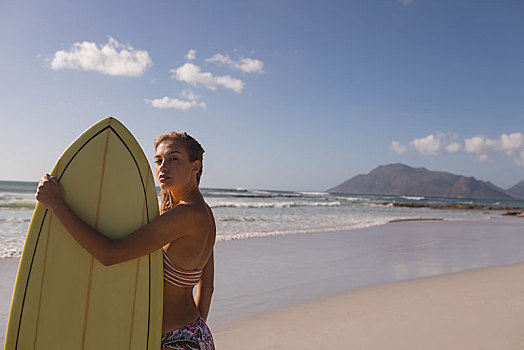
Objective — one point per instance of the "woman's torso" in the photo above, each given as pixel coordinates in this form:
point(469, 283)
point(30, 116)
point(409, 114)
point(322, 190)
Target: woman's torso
point(189, 252)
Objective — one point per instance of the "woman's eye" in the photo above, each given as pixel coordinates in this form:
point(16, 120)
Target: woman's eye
point(158, 161)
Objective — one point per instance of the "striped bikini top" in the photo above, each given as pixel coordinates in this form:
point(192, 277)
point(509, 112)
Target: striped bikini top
point(177, 276)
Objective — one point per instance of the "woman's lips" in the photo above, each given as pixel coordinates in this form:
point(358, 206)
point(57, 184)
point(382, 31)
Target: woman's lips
point(163, 178)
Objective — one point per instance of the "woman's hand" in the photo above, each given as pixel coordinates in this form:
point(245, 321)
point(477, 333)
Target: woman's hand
point(49, 192)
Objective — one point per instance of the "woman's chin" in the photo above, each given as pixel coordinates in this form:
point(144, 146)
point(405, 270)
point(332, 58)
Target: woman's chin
point(164, 186)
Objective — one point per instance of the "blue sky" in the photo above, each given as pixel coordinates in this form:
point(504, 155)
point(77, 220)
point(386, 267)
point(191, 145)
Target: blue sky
point(297, 95)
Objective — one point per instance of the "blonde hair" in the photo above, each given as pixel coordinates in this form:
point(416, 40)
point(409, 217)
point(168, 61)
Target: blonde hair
point(194, 151)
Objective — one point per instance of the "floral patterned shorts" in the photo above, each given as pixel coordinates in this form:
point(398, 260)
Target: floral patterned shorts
point(194, 336)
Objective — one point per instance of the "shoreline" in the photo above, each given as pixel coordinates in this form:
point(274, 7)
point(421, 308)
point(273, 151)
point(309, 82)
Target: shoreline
point(266, 274)
point(254, 276)
point(518, 211)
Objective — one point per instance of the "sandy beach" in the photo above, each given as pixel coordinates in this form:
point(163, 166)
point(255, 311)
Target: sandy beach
point(480, 309)
point(396, 286)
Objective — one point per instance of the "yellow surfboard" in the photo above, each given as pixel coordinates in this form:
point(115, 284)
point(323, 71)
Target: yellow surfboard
point(63, 297)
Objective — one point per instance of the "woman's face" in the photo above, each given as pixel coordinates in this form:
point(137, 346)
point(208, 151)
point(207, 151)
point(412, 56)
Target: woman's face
point(173, 168)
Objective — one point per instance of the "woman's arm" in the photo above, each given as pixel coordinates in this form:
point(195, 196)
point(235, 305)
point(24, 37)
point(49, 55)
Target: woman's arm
point(166, 228)
point(205, 288)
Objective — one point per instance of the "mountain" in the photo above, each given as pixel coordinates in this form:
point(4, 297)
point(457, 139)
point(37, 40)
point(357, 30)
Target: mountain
point(517, 190)
point(400, 179)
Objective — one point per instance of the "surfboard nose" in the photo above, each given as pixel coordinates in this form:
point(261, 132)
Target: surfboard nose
point(109, 120)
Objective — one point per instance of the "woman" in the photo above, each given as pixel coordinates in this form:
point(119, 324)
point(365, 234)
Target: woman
point(185, 231)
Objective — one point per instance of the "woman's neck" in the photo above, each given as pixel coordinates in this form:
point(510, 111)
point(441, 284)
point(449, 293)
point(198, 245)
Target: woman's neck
point(187, 194)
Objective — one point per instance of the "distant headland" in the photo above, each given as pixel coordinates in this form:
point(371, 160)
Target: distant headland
point(400, 179)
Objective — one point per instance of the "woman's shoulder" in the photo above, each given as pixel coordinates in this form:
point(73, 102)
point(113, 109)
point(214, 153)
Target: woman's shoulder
point(194, 212)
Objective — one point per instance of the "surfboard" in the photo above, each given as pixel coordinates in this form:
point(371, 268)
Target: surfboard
point(63, 297)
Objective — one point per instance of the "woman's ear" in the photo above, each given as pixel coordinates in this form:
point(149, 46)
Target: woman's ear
point(197, 165)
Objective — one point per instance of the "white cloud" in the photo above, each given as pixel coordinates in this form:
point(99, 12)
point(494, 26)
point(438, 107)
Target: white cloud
point(436, 144)
point(246, 65)
point(191, 101)
point(113, 59)
point(512, 142)
point(405, 2)
point(429, 145)
point(190, 95)
point(398, 148)
point(175, 103)
point(439, 143)
point(219, 58)
point(249, 65)
point(453, 147)
point(481, 145)
point(191, 54)
point(193, 75)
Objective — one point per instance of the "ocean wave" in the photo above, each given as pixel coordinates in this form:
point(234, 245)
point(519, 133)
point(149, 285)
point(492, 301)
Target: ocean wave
point(314, 194)
point(250, 194)
point(250, 235)
point(260, 192)
point(10, 253)
point(11, 220)
point(247, 235)
point(413, 198)
point(354, 199)
point(18, 187)
point(291, 204)
point(29, 205)
point(238, 218)
point(219, 194)
point(270, 195)
point(10, 197)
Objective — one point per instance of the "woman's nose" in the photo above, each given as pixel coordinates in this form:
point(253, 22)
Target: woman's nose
point(162, 166)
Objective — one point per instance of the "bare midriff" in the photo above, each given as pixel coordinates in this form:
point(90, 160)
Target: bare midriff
point(179, 307)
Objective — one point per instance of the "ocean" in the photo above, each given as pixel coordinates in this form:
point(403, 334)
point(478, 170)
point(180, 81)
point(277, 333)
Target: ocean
point(249, 213)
